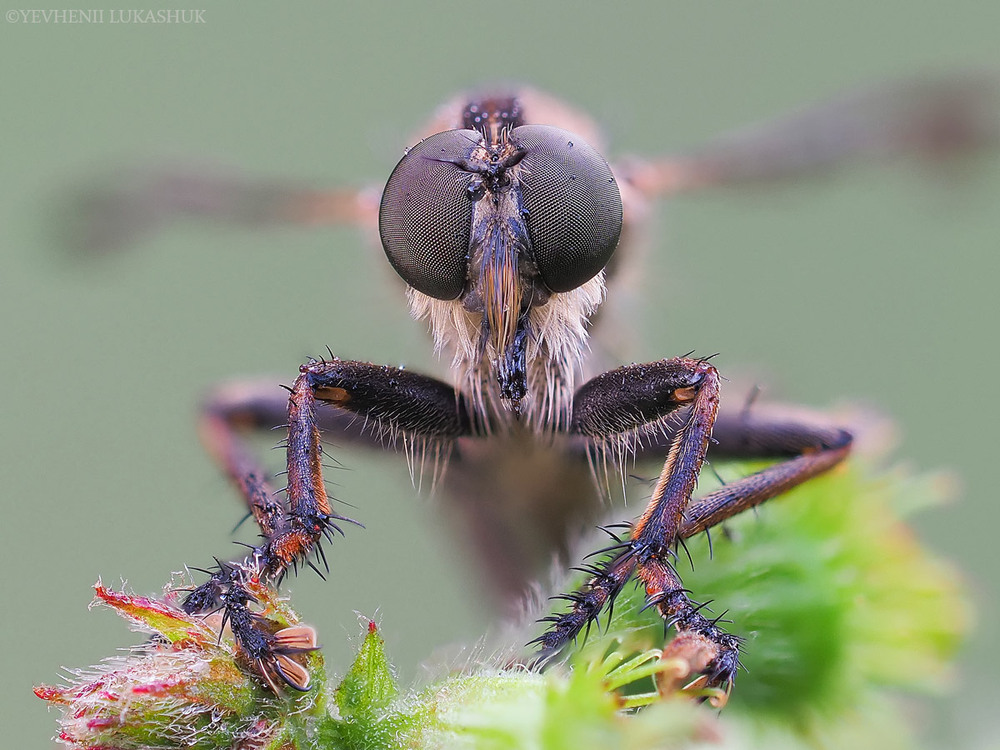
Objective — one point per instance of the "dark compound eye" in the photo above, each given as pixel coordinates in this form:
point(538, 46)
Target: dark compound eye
point(426, 214)
point(574, 207)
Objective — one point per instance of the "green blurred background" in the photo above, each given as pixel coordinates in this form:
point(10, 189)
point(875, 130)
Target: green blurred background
point(876, 286)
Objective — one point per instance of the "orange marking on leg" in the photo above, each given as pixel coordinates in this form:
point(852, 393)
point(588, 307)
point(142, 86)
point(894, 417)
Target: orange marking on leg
point(316, 469)
point(683, 395)
point(291, 546)
point(337, 396)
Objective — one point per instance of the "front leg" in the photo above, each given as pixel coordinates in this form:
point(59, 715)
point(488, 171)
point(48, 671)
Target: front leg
point(395, 404)
point(619, 409)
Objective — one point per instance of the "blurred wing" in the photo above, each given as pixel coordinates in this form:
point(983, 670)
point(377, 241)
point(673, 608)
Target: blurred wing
point(930, 119)
point(124, 207)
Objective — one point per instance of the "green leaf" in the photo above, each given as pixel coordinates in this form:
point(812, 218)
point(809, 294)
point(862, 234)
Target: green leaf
point(369, 686)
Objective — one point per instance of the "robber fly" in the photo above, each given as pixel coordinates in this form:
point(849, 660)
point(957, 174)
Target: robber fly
point(509, 229)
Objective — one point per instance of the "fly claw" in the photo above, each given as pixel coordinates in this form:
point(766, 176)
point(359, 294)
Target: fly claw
point(275, 651)
point(705, 657)
point(699, 666)
point(283, 658)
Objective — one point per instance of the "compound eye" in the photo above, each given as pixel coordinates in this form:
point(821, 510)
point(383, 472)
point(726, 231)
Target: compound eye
point(426, 214)
point(574, 207)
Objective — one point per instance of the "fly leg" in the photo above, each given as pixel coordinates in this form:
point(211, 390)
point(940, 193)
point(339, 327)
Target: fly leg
point(630, 404)
point(425, 414)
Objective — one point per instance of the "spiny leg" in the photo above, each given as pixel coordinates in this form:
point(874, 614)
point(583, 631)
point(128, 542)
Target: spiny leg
point(290, 520)
point(631, 402)
point(618, 404)
point(804, 444)
point(291, 526)
point(820, 449)
point(394, 402)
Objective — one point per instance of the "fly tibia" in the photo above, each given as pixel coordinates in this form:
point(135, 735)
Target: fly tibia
point(586, 603)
